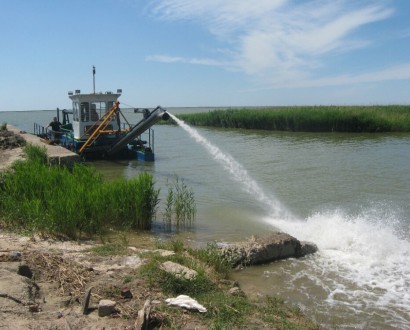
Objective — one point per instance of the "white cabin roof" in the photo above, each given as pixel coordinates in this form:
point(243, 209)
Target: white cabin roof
point(94, 97)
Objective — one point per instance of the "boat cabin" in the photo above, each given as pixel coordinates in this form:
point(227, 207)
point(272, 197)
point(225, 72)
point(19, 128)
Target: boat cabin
point(89, 108)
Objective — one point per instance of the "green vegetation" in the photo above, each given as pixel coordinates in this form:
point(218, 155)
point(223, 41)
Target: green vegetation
point(109, 249)
point(3, 127)
point(225, 310)
point(180, 205)
point(392, 118)
point(53, 200)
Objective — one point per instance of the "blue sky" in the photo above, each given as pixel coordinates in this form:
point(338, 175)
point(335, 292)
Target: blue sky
point(179, 53)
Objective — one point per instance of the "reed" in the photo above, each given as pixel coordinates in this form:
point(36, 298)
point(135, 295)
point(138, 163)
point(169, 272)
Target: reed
point(391, 118)
point(53, 200)
point(180, 208)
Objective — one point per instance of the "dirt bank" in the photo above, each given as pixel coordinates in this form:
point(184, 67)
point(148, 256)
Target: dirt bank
point(43, 284)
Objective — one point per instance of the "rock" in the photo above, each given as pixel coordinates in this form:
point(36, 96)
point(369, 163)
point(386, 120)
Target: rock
point(259, 250)
point(307, 248)
point(106, 307)
point(236, 291)
point(178, 270)
point(126, 293)
point(25, 271)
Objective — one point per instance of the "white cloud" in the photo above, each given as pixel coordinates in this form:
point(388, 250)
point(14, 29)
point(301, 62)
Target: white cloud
point(277, 41)
point(176, 59)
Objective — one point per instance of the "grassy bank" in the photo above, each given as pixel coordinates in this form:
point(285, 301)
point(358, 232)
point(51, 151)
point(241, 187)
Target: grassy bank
point(227, 306)
point(53, 200)
point(392, 118)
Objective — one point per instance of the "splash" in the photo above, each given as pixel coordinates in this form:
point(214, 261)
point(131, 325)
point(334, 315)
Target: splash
point(238, 173)
point(362, 261)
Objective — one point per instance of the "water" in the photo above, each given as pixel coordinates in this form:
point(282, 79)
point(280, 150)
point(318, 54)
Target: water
point(348, 193)
point(237, 171)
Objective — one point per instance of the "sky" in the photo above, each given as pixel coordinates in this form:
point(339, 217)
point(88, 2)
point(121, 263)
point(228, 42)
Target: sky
point(216, 53)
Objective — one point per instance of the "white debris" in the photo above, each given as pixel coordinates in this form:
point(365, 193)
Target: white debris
point(186, 302)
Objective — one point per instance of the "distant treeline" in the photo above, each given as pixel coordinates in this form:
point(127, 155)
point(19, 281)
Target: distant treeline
point(390, 118)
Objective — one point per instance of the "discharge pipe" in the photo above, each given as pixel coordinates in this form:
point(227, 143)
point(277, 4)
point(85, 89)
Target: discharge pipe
point(149, 120)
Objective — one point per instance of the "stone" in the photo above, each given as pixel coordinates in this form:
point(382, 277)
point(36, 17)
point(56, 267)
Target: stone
point(126, 293)
point(260, 250)
point(236, 291)
point(178, 270)
point(25, 271)
point(106, 307)
point(307, 248)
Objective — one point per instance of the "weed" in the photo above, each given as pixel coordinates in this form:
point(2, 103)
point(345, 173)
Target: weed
point(212, 257)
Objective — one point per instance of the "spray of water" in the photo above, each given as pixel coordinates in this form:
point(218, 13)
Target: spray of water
point(236, 170)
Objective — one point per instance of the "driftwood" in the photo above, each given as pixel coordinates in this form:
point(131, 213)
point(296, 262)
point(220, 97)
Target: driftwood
point(142, 321)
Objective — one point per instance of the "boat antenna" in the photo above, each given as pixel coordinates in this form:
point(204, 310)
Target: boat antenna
point(94, 78)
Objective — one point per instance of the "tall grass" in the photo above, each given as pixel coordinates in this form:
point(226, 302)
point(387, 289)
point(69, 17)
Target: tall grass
point(392, 118)
point(53, 200)
point(180, 208)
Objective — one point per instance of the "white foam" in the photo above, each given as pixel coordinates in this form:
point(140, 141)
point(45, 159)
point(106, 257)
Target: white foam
point(367, 260)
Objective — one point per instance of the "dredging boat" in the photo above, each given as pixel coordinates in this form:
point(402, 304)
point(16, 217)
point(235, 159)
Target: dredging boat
point(97, 128)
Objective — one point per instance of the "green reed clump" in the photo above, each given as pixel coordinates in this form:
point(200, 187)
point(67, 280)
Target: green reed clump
point(54, 200)
point(180, 207)
point(133, 202)
point(3, 127)
point(392, 118)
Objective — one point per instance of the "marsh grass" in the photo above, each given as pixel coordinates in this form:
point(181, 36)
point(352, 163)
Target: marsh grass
point(55, 200)
point(180, 208)
point(3, 127)
point(391, 118)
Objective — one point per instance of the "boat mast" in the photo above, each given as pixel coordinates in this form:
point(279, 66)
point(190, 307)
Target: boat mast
point(94, 78)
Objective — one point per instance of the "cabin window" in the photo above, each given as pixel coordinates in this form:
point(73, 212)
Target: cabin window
point(85, 111)
point(97, 110)
point(75, 111)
